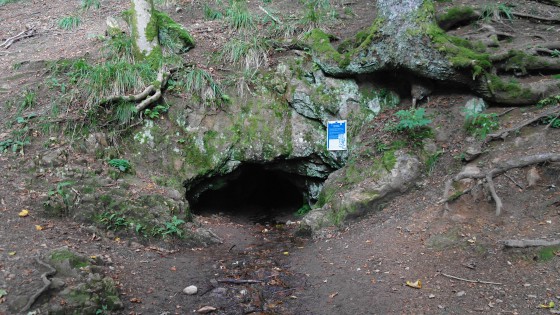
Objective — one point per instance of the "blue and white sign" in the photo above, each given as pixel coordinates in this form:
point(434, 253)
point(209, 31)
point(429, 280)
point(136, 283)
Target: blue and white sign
point(336, 135)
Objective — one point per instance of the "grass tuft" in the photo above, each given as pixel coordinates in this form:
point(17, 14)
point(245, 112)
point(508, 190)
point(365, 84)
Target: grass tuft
point(69, 22)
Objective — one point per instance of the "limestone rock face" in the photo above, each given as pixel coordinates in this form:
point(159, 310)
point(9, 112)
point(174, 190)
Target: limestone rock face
point(281, 127)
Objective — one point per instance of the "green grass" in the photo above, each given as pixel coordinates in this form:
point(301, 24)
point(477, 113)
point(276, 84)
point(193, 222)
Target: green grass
point(200, 83)
point(69, 22)
point(211, 13)
point(251, 53)
point(238, 16)
point(87, 4)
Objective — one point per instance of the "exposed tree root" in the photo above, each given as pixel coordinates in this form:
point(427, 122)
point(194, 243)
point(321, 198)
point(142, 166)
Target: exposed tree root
point(46, 284)
point(536, 18)
point(501, 168)
point(24, 34)
point(502, 134)
point(530, 243)
point(150, 95)
point(555, 3)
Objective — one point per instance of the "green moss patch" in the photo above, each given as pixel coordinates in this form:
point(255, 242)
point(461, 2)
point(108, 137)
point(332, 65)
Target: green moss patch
point(64, 254)
point(547, 253)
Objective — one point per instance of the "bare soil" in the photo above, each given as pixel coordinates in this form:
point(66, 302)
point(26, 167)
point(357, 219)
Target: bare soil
point(361, 268)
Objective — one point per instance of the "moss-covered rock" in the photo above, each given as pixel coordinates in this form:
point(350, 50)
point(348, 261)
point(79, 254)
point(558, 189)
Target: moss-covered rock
point(354, 190)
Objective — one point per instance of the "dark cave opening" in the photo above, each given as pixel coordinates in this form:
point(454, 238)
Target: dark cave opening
point(253, 192)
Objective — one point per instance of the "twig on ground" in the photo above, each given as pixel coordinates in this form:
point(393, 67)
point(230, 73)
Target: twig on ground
point(529, 243)
point(468, 280)
point(513, 180)
point(506, 111)
point(270, 15)
point(239, 281)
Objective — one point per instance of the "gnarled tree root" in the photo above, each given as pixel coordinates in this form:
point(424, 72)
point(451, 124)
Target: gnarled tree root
point(150, 95)
point(529, 243)
point(46, 284)
point(24, 34)
point(502, 134)
point(501, 168)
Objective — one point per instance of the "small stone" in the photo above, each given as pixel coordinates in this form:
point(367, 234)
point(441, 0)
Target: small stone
point(532, 296)
point(460, 293)
point(206, 309)
point(190, 290)
point(431, 296)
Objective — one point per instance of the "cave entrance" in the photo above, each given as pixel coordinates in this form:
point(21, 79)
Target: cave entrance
point(253, 193)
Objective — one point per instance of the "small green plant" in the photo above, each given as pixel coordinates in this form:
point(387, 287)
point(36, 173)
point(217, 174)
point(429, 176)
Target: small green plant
point(112, 220)
point(62, 193)
point(432, 160)
point(120, 164)
point(414, 123)
point(69, 22)
point(316, 13)
point(497, 11)
point(303, 210)
point(173, 227)
point(553, 120)
point(15, 145)
point(411, 120)
point(480, 124)
point(154, 112)
point(549, 101)
point(29, 99)
point(555, 53)
point(211, 14)
point(87, 4)
point(102, 311)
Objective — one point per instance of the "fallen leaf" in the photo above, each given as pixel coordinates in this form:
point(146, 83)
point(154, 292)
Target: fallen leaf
point(333, 295)
point(173, 268)
point(38, 228)
point(416, 285)
point(549, 305)
point(11, 253)
point(206, 309)
point(286, 253)
point(3, 293)
point(135, 300)
point(23, 213)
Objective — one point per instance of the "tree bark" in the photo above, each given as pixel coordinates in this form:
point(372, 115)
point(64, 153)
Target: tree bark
point(144, 27)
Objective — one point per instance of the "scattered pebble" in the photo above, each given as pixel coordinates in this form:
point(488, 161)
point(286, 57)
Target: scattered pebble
point(460, 293)
point(431, 296)
point(190, 290)
point(206, 309)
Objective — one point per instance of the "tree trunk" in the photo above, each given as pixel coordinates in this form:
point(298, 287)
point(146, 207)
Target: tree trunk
point(144, 28)
point(405, 38)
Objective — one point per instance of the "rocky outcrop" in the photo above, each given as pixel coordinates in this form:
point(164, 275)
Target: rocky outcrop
point(375, 184)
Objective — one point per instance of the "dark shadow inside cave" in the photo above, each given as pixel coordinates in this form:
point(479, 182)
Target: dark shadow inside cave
point(253, 193)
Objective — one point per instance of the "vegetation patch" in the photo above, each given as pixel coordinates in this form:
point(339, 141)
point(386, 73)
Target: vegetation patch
point(548, 253)
point(64, 254)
